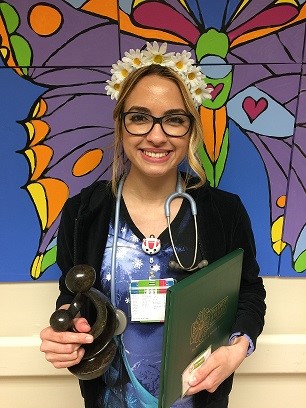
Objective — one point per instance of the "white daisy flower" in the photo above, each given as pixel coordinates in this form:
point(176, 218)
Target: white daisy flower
point(155, 54)
point(121, 70)
point(113, 88)
point(200, 92)
point(181, 61)
point(134, 58)
point(207, 92)
point(194, 75)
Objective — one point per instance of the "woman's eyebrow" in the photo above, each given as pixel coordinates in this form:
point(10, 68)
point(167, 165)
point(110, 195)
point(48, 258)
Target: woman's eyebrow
point(139, 109)
point(143, 109)
point(173, 111)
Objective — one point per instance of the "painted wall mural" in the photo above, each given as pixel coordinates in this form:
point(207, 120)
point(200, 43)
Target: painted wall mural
point(56, 120)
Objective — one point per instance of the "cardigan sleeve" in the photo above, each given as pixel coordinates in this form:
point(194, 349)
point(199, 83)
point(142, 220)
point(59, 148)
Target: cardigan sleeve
point(65, 247)
point(224, 226)
point(82, 235)
point(251, 303)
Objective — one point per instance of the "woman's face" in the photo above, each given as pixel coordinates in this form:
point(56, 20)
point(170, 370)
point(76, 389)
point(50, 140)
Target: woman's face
point(155, 154)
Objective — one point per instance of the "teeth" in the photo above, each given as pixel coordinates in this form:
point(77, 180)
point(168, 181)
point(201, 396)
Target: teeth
point(155, 155)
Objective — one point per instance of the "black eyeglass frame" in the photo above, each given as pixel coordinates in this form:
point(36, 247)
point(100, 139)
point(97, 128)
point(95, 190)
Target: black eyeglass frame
point(157, 120)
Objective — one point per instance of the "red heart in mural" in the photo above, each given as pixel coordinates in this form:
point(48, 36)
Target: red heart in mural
point(215, 90)
point(254, 108)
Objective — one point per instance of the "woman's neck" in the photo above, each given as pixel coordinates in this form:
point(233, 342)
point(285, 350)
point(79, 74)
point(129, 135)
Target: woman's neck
point(149, 189)
point(145, 198)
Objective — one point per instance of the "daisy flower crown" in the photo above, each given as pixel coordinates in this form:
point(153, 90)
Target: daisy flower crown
point(181, 63)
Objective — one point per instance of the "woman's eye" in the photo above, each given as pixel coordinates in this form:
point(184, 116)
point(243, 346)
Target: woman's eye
point(138, 118)
point(175, 120)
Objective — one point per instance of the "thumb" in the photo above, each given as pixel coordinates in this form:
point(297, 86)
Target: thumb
point(81, 325)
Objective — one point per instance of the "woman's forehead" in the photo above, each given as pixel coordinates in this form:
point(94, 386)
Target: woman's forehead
point(155, 91)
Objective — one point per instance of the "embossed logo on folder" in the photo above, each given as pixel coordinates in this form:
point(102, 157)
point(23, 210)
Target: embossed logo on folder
point(206, 320)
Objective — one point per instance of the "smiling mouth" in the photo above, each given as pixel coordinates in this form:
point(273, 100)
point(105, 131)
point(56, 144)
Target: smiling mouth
point(156, 155)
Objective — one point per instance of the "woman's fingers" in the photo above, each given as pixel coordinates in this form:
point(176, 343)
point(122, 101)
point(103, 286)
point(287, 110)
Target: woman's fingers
point(65, 360)
point(63, 349)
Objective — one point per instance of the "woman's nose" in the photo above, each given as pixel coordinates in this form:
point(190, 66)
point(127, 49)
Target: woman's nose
point(157, 135)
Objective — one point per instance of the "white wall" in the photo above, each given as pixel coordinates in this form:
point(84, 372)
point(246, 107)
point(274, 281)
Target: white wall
point(275, 376)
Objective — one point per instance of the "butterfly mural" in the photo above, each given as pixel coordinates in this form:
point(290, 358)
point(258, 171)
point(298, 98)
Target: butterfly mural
point(251, 53)
point(225, 43)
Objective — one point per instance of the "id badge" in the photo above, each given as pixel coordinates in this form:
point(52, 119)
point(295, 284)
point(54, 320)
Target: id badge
point(148, 299)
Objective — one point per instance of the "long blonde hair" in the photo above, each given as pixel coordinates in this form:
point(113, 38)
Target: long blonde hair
point(120, 165)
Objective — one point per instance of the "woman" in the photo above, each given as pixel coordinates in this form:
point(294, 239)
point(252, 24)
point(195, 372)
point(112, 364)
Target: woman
point(157, 127)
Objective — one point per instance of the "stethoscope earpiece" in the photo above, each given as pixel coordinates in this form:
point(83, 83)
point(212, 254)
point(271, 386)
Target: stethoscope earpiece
point(203, 263)
point(176, 265)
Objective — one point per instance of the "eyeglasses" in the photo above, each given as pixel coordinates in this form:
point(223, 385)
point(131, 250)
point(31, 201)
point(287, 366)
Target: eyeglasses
point(173, 125)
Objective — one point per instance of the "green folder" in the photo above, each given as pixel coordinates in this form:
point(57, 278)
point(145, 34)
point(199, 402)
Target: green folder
point(200, 312)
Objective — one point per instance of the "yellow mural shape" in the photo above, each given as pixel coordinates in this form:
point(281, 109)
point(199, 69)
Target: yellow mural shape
point(36, 266)
point(276, 235)
point(40, 109)
point(37, 130)
point(39, 157)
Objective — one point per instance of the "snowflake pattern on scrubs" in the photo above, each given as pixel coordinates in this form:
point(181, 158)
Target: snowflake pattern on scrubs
point(141, 344)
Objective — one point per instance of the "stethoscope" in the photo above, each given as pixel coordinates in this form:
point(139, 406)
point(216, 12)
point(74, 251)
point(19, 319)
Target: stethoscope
point(179, 193)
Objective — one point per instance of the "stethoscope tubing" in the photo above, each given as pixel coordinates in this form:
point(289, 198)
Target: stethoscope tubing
point(179, 193)
point(115, 241)
point(175, 195)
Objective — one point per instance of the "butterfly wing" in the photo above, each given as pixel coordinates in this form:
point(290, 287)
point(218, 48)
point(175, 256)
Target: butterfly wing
point(70, 127)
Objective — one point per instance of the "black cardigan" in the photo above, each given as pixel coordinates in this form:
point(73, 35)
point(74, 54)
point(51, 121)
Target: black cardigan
point(223, 225)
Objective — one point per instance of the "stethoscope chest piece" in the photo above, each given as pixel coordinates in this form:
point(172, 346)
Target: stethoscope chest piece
point(121, 322)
